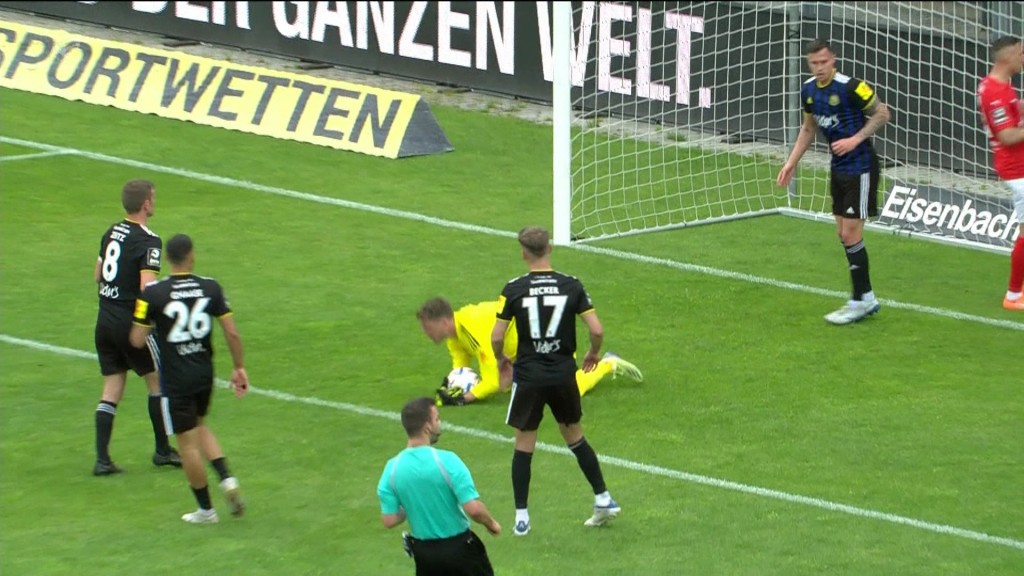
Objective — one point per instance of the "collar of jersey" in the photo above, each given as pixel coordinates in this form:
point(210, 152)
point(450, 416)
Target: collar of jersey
point(132, 221)
point(998, 79)
point(830, 78)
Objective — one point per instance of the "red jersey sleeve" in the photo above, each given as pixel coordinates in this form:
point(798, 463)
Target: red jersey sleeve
point(1000, 106)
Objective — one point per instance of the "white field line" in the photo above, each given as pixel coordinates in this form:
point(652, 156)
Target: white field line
point(34, 155)
point(674, 264)
point(649, 469)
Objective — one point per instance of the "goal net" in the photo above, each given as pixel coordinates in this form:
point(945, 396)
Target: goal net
point(670, 114)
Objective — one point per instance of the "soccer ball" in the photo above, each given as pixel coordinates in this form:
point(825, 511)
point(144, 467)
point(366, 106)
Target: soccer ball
point(463, 378)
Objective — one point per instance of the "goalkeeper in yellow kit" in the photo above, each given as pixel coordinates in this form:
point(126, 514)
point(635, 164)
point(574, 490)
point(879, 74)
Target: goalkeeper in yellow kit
point(467, 332)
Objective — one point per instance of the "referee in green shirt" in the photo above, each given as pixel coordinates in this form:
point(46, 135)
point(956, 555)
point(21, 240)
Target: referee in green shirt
point(434, 490)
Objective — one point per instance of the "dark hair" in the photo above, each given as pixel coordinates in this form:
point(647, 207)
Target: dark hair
point(1001, 44)
point(415, 415)
point(134, 195)
point(178, 248)
point(435, 309)
point(818, 45)
point(535, 240)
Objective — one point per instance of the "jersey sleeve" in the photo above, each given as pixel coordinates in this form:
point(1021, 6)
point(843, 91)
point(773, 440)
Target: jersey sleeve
point(388, 499)
point(505, 311)
point(219, 305)
point(1001, 110)
point(462, 480)
point(806, 100)
point(861, 94)
point(584, 304)
point(103, 246)
point(151, 252)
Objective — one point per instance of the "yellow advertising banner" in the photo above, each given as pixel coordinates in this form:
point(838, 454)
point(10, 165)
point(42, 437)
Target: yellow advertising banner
point(217, 93)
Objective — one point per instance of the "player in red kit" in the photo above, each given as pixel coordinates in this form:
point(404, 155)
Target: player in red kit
point(1001, 109)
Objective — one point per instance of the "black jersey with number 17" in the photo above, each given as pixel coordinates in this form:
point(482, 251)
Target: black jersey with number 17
point(181, 310)
point(126, 249)
point(545, 305)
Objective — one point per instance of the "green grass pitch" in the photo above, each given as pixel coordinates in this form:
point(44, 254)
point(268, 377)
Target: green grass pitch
point(888, 447)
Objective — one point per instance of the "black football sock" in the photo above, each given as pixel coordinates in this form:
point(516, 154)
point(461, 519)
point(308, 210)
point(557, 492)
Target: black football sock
point(587, 459)
point(221, 466)
point(521, 462)
point(156, 418)
point(203, 497)
point(105, 413)
point(857, 256)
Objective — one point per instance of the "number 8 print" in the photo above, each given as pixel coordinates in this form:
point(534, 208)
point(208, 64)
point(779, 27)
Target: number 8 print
point(110, 256)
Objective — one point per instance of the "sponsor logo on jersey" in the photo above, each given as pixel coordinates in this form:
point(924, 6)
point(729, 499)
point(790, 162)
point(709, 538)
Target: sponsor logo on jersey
point(190, 348)
point(547, 346)
point(153, 257)
point(109, 291)
point(827, 121)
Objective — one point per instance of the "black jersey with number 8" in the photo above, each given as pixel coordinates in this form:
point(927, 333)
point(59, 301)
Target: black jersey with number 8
point(126, 249)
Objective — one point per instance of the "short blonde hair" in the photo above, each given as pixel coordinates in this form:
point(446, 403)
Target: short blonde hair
point(535, 240)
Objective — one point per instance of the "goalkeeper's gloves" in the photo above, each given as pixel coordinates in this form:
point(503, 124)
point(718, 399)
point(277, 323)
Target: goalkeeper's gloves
point(449, 396)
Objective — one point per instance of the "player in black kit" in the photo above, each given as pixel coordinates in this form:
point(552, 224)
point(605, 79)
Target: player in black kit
point(129, 258)
point(544, 304)
point(180, 309)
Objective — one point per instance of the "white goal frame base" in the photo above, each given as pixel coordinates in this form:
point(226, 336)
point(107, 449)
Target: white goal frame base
point(822, 217)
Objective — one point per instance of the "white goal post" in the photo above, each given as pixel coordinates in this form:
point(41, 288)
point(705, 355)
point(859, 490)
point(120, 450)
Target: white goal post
point(673, 114)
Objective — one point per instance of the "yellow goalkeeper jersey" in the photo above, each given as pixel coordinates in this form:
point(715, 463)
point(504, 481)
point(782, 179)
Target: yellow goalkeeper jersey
point(473, 326)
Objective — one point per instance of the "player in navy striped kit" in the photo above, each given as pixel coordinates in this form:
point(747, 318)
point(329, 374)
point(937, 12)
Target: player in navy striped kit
point(848, 112)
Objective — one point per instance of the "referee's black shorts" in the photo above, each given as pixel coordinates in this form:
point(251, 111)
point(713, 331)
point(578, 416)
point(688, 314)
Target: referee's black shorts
point(462, 555)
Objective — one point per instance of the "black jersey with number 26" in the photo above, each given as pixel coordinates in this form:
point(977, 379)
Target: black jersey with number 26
point(545, 305)
point(126, 249)
point(181, 310)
